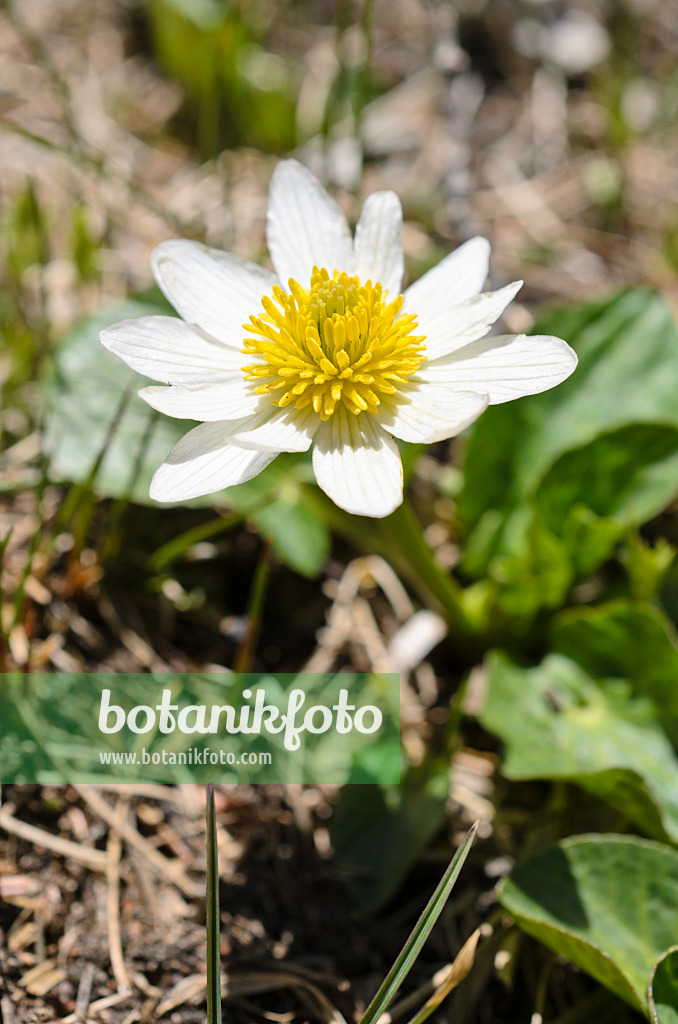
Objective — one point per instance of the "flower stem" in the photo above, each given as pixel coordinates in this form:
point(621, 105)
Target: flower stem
point(242, 661)
point(410, 553)
point(399, 539)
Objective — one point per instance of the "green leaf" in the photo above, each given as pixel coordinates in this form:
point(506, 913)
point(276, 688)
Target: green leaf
point(590, 539)
point(626, 641)
point(236, 91)
point(629, 474)
point(609, 904)
point(85, 426)
point(83, 395)
point(421, 931)
point(378, 833)
point(212, 914)
point(647, 565)
point(605, 735)
point(540, 575)
point(627, 378)
point(298, 535)
point(664, 989)
point(205, 14)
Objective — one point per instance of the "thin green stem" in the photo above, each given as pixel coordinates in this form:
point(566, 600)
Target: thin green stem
point(212, 913)
point(410, 553)
point(110, 545)
point(243, 657)
point(176, 547)
point(364, 75)
point(400, 541)
point(404, 528)
point(18, 599)
point(80, 498)
point(3, 639)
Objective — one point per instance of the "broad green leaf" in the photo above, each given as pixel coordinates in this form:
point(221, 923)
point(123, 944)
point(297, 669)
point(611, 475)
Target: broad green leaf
point(629, 475)
point(664, 989)
point(84, 419)
point(83, 395)
point(557, 722)
point(607, 903)
point(299, 537)
point(378, 833)
point(626, 641)
point(590, 539)
point(627, 376)
point(540, 575)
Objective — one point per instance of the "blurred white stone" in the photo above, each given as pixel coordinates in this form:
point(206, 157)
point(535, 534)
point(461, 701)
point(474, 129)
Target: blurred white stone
point(527, 35)
point(416, 639)
point(640, 104)
point(576, 43)
point(449, 57)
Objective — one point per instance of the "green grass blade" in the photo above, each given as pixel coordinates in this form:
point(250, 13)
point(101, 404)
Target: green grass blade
point(459, 970)
point(176, 547)
point(419, 935)
point(3, 548)
point(4, 638)
point(80, 498)
point(255, 603)
point(18, 599)
point(213, 953)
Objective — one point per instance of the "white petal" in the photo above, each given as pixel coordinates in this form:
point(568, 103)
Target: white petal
point(213, 289)
point(459, 325)
point(505, 367)
point(458, 277)
point(357, 464)
point(205, 461)
point(168, 349)
point(286, 430)
point(305, 227)
point(228, 400)
point(378, 249)
point(424, 413)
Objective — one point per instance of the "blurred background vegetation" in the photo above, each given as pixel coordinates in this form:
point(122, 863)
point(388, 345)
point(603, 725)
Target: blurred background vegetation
point(548, 126)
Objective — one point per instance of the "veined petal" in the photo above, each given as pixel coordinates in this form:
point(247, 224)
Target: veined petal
point(456, 278)
point(213, 289)
point(378, 248)
point(168, 349)
point(426, 412)
point(358, 465)
point(305, 227)
point(205, 461)
point(287, 430)
point(505, 367)
point(228, 400)
point(461, 324)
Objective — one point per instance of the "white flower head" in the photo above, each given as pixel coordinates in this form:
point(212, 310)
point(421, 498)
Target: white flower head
point(326, 351)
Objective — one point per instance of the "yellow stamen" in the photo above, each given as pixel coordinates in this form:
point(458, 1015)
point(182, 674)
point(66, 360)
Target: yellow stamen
point(338, 341)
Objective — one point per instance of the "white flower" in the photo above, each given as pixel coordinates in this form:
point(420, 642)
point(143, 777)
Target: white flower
point(326, 350)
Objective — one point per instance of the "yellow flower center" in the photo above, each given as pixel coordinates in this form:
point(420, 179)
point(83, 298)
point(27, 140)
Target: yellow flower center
point(338, 341)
